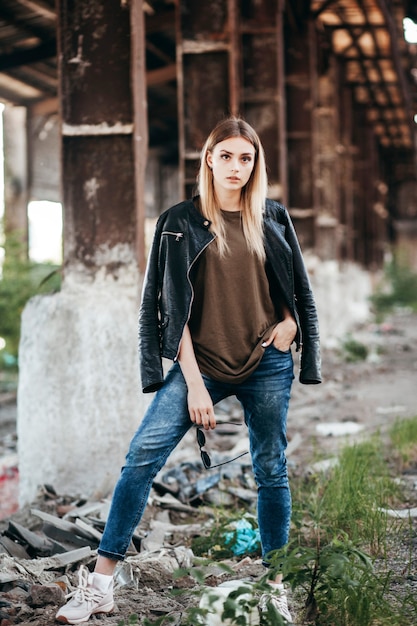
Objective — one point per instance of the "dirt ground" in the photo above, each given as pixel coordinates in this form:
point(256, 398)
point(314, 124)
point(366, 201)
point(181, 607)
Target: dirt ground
point(356, 397)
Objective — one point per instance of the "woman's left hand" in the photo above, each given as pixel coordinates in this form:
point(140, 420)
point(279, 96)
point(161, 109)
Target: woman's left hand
point(282, 335)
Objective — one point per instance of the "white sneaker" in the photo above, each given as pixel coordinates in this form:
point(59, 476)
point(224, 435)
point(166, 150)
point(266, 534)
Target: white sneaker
point(278, 600)
point(90, 597)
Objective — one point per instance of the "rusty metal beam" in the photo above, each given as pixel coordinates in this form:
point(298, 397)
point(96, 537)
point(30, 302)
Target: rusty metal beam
point(207, 73)
point(324, 6)
point(16, 183)
point(161, 75)
point(140, 138)
point(39, 7)
point(282, 104)
point(355, 33)
point(97, 147)
point(30, 28)
point(263, 96)
point(161, 21)
point(371, 64)
point(45, 50)
point(234, 57)
point(396, 58)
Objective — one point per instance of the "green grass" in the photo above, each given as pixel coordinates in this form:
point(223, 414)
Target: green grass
point(353, 350)
point(398, 288)
point(20, 279)
point(404, 439)
point(338, 531)
point(356, 488)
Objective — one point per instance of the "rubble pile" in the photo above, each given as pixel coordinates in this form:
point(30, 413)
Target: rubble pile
point(42, 546)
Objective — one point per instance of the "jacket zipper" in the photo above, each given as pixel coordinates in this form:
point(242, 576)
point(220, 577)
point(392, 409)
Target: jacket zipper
point(192, 292)
point(177, 236)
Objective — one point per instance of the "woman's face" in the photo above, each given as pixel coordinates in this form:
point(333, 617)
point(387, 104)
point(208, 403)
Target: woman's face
point(232, 161)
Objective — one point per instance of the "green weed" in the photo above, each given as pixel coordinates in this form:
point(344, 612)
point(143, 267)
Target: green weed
point(20, 279)
point(354, 491)
point(218, 543)
point(404, 438)
point(347, 498)
point(339, 582)
point(132, 619)
point(397, 288)
point(353, 350)
point(338, 530)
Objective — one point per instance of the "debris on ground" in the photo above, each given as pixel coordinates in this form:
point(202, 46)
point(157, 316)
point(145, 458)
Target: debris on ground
point(43, 545)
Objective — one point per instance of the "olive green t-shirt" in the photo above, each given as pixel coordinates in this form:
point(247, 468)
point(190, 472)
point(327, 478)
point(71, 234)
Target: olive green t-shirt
point(232, 311)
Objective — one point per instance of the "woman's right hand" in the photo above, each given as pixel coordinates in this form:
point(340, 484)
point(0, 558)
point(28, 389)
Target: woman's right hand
point(200, 406)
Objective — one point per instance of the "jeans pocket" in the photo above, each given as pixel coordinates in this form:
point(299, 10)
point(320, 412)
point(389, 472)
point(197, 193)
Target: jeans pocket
point(280, 351)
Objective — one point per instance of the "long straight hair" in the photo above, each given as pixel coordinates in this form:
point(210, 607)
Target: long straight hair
point(253, 194)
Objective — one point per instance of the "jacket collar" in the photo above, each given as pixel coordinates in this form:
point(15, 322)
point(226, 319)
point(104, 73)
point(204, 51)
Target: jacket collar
point(196, 215)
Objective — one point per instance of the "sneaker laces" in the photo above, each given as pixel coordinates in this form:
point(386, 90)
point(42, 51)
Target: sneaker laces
point(278, 599)
point(84, 593)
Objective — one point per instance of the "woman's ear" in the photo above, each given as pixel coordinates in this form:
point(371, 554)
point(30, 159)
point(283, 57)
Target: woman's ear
point(209, 160)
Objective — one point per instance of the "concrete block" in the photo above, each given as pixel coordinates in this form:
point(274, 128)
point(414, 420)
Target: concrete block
point(79, 396)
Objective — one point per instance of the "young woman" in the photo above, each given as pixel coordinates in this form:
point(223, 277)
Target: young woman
point(225, 295)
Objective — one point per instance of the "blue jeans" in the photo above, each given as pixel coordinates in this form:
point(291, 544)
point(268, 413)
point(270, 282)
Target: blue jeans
point(264, 396)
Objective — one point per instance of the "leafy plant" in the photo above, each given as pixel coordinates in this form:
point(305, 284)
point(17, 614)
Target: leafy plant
point(330, 562)
point(132, 619)
point(20, 280)
point(354, 350)
point(404, 438)
point(224, 534)
point(339, 582)
point(238, 607)
point(397, 288)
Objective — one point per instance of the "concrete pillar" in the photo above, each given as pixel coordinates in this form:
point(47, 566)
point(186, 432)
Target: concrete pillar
point(79, 396)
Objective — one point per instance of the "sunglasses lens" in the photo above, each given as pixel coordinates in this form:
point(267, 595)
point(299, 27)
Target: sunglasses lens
point(201, 438)
point(206, 459)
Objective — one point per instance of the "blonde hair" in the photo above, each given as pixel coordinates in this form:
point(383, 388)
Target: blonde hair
point(253, 193)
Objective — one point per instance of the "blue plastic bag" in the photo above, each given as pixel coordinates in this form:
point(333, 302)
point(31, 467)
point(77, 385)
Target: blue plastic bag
point(243, 538)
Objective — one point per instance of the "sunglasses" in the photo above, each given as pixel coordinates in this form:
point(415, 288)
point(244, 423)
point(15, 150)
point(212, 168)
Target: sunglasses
point(206, 460)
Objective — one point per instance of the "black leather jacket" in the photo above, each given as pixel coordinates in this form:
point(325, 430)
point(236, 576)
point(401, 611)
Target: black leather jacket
point(181, 235)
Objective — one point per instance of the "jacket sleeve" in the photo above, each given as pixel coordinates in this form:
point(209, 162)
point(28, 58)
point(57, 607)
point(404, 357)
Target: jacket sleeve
point(310, 370)
point(151, 370)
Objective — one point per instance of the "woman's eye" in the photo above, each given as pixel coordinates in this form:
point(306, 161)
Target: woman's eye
point(225, 157)
point(246, 159)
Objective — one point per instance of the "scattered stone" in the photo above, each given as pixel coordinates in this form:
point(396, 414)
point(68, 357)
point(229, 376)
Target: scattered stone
point(338, 429)
point(400, 513)
point(40, 595)
point(394, 409)
point(322, 466)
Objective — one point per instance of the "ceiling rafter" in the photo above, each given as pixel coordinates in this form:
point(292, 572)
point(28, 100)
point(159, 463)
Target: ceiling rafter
point(377, 67)
point(45, 50)
point(38, 8)
point(356, 33)
point(364, 36)
point(22, 25)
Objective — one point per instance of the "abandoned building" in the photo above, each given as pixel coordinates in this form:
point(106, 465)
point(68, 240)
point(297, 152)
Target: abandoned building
point(107, 106)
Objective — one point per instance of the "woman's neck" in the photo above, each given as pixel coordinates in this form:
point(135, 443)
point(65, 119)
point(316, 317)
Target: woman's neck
point(229, 201)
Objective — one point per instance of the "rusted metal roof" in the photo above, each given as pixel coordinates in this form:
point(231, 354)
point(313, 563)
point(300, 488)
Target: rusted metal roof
point(367, 35)
point(28, 59)
point(28, 69)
